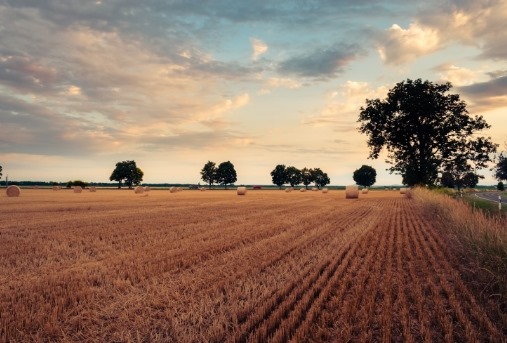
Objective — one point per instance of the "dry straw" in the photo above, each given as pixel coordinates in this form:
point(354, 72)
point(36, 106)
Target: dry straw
point(78, 189)
point(352, 192)
point(179, 189)
point(139, 190)
point(241, 190)
point(147, 189)
point(288, 190)
point(315, 189)
point(202, 189)
point(93, 189)
point(365, 191)
point(56, 188)
point(173, 189)
point(13, 191)
point(325, 190)
point(302, 189)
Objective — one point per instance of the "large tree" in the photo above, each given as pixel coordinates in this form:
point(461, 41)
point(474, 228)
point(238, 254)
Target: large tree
point(365, 176)
point(209, 173)
point(425, 131)
point(293, 176)
point(226, 173)
point(279, 175)
point(127, 172)
point(306, 176)
point(319, 177)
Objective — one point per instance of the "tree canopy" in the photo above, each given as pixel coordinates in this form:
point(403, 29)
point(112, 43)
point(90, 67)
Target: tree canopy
point(226, 174)
point(209, 173)
point(279, 175)
point(293, 176)
point(365, 176)
point(306, 176)
point(500, 168)
point(127, 172)
point(319, 177)
point(425, 131)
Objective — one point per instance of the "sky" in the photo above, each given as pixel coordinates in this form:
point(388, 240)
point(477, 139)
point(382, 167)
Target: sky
point(85, 84)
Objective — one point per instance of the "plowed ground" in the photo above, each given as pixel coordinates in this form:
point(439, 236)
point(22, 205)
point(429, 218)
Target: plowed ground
point(212, 266)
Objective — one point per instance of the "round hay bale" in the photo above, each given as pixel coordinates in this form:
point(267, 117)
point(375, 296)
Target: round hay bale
point(351, 192)
point(13, 191)
point(180, 189)
point(325, 190)
point(56, 188)
point(78, 189)
point(302, 189)
point(139, 190)
point(173, 189)
point(365, 191)
point(93, 189)
point(403, 190)
point(288, 190)
point(147, 189)
point(314, 189)
point(202, 189)
point(241, 191)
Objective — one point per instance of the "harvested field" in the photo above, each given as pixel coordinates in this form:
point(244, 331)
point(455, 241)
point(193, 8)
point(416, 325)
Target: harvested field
point(214, 267)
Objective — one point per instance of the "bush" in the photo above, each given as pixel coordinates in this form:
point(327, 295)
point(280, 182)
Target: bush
point(500, 186)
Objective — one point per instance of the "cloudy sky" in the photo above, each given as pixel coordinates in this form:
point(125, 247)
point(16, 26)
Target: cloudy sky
point(172, 84)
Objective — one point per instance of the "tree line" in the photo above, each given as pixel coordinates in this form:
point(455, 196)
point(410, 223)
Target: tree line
point(282, 175)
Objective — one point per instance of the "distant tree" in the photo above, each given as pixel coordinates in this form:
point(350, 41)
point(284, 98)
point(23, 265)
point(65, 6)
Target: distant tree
point(209, 173)
point(447, 180)
point(470, 180)
point(0, 172)
point(69, 184)
point(293, 176)
point(226, 174)
point(365, 176)
point(127, 172)
point(306, 176)
point(425, 131)
point(500, 168)
point(319, 177)
point(500, 186)
point(79, 183)
point(279, 175)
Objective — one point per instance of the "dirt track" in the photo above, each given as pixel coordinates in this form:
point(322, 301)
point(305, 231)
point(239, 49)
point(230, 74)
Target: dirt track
point(214, 266)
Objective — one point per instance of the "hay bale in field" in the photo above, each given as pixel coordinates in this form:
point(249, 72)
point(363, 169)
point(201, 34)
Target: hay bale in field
point(139, 190)
point(315, 189)
point(93, 189)
point(56, 188)
point(364, 191)
point(202, 189)
point(241, 191)
point(13, 191)
point(403, 190)
point(302, 189)
point(78, 189)
point(288, 190)
point(351, 192)
point(325, 190)
point(173, 189)
point(147, 189)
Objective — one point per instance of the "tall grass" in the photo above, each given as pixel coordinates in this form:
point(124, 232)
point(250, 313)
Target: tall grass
point(482, 234)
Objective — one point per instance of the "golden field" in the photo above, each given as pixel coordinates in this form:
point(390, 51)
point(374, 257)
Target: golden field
point(270, 266)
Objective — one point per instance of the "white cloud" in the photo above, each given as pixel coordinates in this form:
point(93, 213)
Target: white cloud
point(458, 76)
point(397, 45)
point(258, 48)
